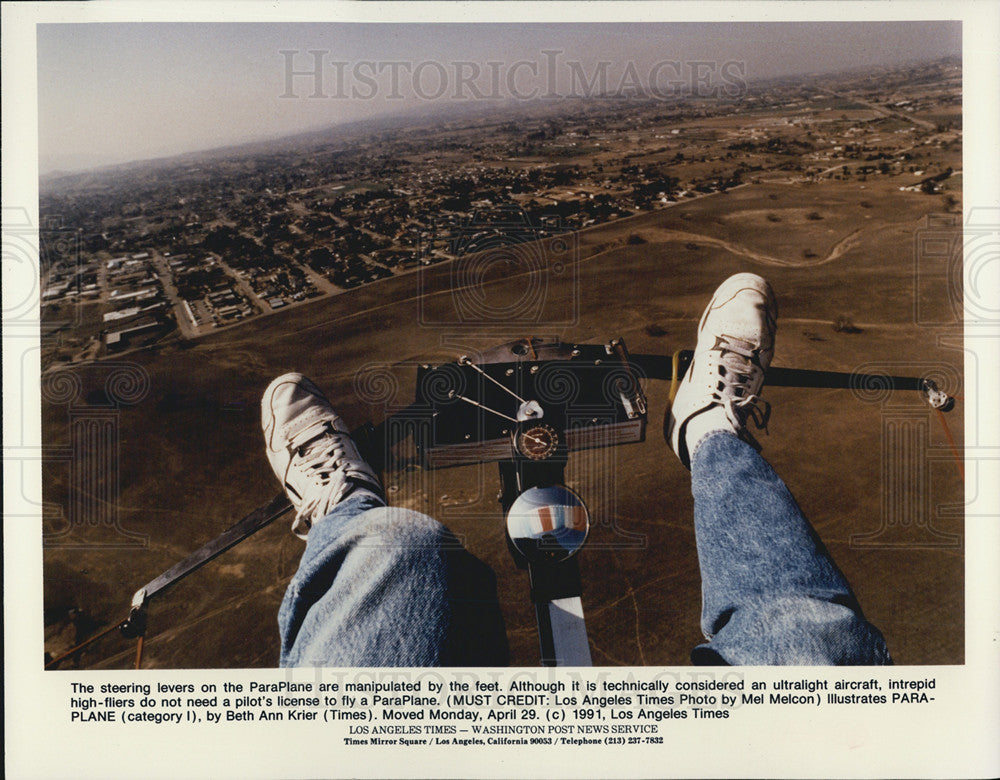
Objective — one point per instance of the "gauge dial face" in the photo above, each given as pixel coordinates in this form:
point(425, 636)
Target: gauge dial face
point(537, 442)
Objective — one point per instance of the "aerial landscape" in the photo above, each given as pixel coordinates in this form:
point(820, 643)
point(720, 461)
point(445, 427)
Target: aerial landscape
point(173, 290)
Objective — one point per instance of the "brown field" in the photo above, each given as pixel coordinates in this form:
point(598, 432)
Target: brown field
point(192, 462)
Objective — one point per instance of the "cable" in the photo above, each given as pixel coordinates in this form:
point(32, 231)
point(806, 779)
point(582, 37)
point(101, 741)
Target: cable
point(56, 661)
point(951, 441)
point(138, 652)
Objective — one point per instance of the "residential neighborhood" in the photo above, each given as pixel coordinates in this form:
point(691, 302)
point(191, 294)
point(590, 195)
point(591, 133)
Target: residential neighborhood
point(178, 248)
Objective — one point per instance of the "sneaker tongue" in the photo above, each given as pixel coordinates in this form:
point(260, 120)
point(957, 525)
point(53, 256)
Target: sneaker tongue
point(739, 346)
point(310, 433)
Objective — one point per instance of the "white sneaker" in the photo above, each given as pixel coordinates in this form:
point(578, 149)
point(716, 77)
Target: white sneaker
point(311, 450)
point(735, 347)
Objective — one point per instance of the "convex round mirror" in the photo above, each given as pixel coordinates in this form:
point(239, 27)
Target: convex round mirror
point(548, 523)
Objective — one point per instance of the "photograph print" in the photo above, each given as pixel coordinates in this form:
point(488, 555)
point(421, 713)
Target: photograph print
point(408, 345)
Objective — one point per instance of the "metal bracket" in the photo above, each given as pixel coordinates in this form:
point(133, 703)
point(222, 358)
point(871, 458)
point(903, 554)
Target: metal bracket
point(937, 398)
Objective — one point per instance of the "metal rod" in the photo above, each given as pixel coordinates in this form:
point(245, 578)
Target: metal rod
point(805, 377)
point(228, 538)
point(673, 368)
point(485, 408)
point(465, 361)
point(546, 642)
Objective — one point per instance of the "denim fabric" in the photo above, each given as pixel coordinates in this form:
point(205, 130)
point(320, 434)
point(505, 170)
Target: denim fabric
point(771, 594)
point(381, 586)
point(384, 586)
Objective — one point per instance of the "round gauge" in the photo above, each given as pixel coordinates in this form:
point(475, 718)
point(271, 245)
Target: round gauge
point(537, 442)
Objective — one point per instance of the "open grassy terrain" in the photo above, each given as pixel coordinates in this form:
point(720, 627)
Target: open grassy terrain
point(191, 459)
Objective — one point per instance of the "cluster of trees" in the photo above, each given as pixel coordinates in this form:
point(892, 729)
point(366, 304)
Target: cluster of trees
point(198, 282)
point(345, 271)
point(239, 250)
point(776, 145)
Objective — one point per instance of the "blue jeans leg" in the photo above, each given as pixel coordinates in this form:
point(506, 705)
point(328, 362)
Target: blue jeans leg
point(771, 594)
point(385, 586)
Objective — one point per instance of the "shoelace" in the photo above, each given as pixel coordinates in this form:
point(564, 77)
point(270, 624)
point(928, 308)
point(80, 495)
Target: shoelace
point(322, 461)
point(738, 370)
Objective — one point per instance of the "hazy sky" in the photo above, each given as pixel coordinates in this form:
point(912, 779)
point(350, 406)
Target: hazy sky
point(118, 92)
